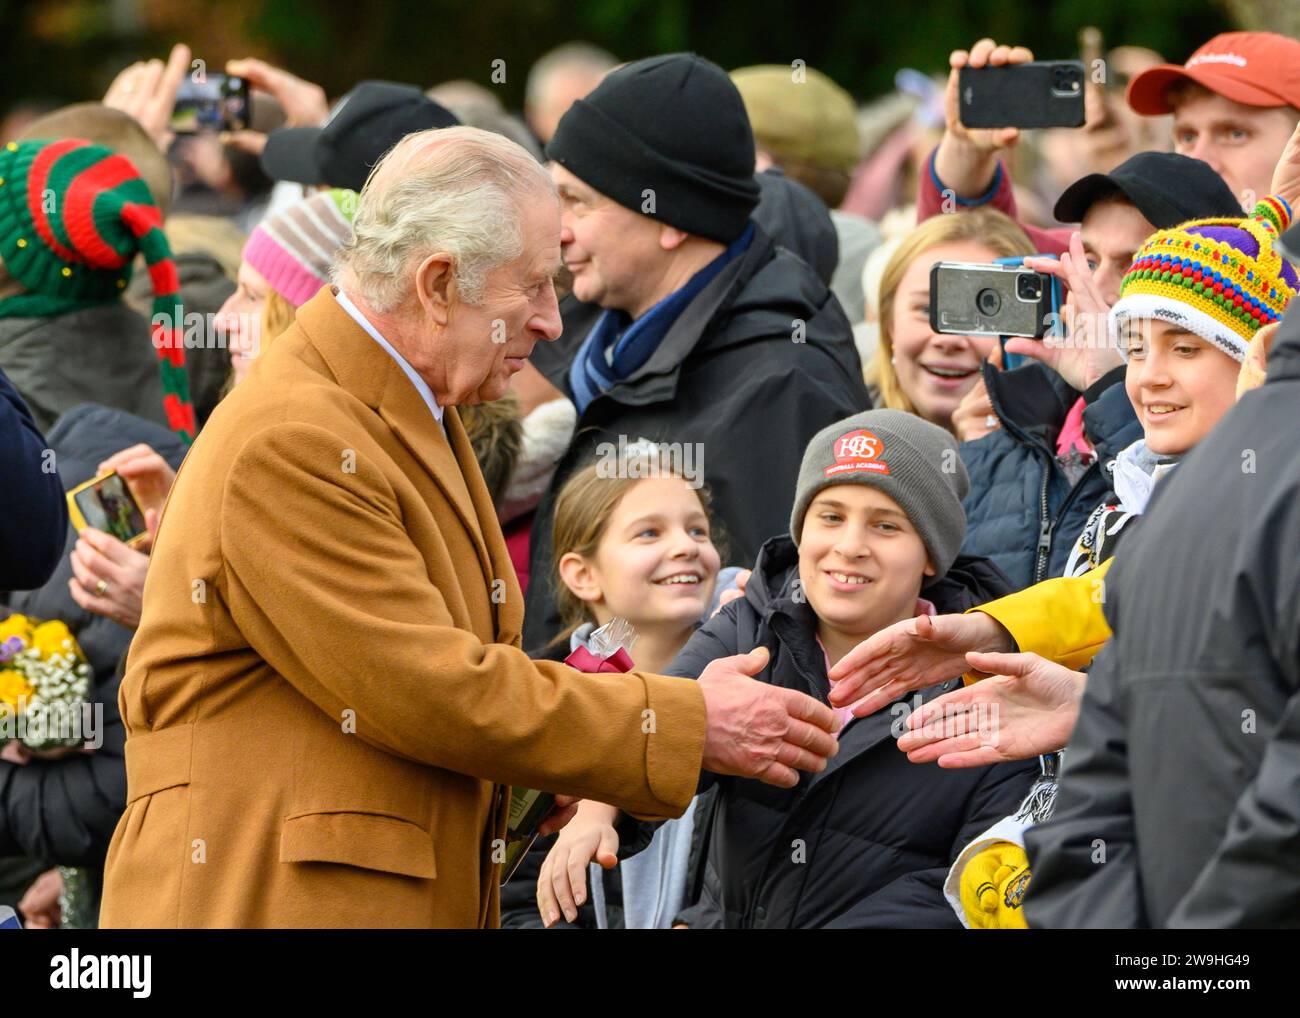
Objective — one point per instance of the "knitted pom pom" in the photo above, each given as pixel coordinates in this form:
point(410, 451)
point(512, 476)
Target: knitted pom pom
point(1273, 209)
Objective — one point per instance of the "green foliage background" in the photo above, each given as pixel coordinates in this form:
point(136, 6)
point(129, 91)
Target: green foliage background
point(69, 49)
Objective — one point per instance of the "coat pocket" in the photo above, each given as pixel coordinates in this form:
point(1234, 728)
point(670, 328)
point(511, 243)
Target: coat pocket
point(372, 841)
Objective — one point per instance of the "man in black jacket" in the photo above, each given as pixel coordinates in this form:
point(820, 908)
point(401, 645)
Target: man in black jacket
point(712, 338)
point(1177, 803)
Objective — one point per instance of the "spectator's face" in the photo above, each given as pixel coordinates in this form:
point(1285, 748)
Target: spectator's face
point(1112, 233)
point(614, 253)
point(483, 345)
point(861, 561)
point(656, 564)
point(239, 320)
point(934, 369)
point(1179, 385)
point(1242, 143)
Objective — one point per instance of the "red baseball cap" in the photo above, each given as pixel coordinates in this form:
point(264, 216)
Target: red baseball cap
point(1252, 68)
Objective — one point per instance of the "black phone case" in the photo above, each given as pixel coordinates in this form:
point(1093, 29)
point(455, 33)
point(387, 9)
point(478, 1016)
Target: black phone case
point(1020, 95)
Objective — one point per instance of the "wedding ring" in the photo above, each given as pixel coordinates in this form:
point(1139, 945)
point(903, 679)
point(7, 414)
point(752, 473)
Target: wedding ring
point(101, 588)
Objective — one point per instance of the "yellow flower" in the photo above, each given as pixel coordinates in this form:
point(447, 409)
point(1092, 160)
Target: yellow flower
point(16, 625)
point(49, 639)
point(13, 686)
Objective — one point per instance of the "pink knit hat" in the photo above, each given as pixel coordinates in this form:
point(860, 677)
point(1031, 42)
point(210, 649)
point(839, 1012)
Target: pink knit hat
point(294, 249)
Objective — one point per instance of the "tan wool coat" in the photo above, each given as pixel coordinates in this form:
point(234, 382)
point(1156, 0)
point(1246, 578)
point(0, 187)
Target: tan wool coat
point(326, 700)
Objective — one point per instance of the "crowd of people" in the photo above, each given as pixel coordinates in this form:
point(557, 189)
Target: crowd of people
point(415, 395)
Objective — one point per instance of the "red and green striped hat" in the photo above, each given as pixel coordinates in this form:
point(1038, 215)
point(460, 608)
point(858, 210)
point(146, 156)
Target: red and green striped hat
point(72, 217)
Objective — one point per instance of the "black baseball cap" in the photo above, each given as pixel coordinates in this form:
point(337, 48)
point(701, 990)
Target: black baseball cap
point(1166, 188)
point(363, 125)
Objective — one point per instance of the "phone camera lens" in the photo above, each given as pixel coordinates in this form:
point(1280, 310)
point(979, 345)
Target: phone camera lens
point(1028, 287)
point(1066, 79)
point(988, 301)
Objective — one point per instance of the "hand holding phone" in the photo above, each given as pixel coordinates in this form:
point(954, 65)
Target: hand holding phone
point(212, 102)
point(1025, 95)
point(106, 503)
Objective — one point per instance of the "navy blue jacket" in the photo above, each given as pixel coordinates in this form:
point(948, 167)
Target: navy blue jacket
point(33, 512)
point(1023, 512)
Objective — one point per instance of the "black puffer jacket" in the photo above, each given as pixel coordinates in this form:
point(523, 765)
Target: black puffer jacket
point(869, 841)
point(1023, 510)
point(1184, 764)
point(759, 362)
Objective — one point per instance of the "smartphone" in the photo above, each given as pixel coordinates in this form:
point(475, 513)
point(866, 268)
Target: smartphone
point(1039, 94)
point(106, 503)
point(983, 299)
point(211, 102)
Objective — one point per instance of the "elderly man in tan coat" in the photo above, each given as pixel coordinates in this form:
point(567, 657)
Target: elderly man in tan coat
point(326, 701)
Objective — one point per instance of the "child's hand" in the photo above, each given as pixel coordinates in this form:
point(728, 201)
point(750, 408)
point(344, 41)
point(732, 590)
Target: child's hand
point(562, 882)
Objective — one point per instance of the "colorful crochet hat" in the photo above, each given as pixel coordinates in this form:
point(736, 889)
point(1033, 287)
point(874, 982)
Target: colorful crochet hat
point(72, 217)
point(294, 249)
point(1222, 279)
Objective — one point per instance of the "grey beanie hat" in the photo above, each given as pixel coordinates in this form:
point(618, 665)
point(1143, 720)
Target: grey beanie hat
point(911, 460)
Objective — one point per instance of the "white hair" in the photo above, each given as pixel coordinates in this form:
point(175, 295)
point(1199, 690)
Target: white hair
point(456, 189)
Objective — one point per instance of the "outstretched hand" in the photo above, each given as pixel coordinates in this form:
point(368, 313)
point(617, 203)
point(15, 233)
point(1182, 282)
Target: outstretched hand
point(1028, 707)
point(911, 655)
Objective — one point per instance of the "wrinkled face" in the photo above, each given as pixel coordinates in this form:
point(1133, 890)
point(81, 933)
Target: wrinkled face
point(614, 253)
point(656, 563)
point(935, 370)
point(1179, 385)
point(1242, 143)
point(483, 345)
point(861, 561)
point(1112, 232)
point(239, 319)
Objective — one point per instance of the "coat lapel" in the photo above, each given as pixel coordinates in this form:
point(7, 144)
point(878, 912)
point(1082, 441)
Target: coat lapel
point(365, 369)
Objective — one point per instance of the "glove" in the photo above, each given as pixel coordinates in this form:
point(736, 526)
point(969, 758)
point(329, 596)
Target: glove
point(993, 885)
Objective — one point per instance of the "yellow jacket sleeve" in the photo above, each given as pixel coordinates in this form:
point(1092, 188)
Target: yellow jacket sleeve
point(1060, 619)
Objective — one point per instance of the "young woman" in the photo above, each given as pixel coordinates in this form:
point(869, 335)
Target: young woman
point(914, 368)
point(873, 539)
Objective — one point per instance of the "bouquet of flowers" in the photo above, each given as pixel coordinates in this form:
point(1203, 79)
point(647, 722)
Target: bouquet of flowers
point(44, 681)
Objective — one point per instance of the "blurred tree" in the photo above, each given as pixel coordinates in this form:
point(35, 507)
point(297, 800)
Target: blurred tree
point(69, 49)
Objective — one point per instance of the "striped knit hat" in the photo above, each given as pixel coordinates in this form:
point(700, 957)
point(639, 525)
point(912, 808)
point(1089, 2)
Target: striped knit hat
point(72, 217)
point(1222, 279)
point(294, 249)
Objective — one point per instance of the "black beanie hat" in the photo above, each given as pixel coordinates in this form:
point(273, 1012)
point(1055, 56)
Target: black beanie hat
point(673, 125)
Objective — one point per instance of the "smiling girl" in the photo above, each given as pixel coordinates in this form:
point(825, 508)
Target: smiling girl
point(632, 540)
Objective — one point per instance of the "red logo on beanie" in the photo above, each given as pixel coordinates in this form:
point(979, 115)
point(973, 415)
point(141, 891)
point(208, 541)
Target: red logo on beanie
point(858, 450)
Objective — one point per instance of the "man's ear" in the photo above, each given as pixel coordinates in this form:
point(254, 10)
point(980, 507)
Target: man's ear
point(671, 238)
point(577, 574)
point(435, 286)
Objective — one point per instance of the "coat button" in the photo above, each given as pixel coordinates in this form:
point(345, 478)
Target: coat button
point(760, 913)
